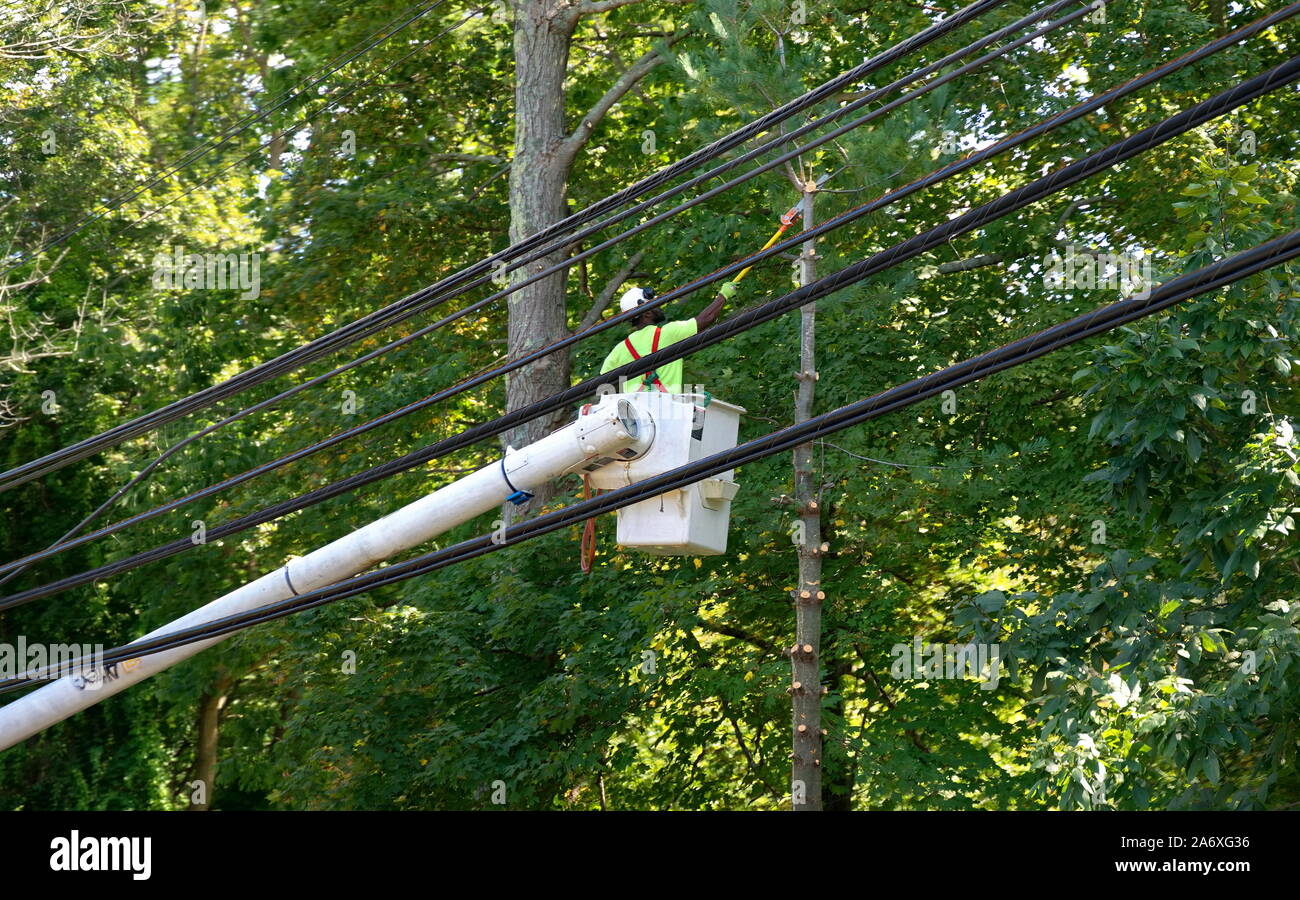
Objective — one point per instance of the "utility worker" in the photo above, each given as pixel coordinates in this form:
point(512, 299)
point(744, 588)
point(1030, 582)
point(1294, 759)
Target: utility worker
point(653, 332)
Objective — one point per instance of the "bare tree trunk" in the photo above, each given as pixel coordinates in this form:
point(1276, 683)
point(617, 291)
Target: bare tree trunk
point(806, 689)
point(538, 177)
point(209, 739)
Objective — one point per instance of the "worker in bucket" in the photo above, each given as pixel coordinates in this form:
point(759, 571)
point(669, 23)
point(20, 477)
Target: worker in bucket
point(653, 332)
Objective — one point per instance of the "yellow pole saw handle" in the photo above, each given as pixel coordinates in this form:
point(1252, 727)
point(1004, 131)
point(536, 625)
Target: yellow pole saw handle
point(788, 219)
point(776, 237)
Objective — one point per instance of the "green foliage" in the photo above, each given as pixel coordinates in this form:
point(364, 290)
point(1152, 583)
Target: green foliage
point(1117, 517)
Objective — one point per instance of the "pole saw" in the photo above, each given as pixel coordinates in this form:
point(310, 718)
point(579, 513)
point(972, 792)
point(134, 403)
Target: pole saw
point(587, 547)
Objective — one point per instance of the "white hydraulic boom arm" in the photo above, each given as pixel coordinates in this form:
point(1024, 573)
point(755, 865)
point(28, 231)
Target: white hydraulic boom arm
point(614, 430)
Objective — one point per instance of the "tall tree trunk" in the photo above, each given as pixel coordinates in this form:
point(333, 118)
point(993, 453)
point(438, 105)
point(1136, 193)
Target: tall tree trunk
point(209, 739)
point(538, 179)
point(806, 689)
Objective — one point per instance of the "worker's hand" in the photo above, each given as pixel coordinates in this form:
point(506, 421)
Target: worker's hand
point(728, 289)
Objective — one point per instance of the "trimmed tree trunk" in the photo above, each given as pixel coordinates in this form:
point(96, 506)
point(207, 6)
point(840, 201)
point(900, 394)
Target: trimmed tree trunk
point(806, 687)
point(538, 178)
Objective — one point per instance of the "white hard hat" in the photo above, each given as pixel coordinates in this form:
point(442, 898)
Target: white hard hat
point(634, 297)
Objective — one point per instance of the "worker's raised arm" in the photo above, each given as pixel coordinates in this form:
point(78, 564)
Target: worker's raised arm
point(710, 313)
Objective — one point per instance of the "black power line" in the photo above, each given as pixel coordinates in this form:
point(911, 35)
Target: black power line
point(394, 312)
point(883, 200)
point(871, 96)
point(1016, 353)
point(1279, 76)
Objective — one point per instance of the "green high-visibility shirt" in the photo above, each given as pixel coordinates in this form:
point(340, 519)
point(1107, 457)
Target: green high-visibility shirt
point(670, 374)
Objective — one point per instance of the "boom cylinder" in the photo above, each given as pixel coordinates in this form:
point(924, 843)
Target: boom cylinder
point(614, 429)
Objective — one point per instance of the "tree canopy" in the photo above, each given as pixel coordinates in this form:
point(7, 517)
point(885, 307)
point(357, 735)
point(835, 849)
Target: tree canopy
point(1117, 517)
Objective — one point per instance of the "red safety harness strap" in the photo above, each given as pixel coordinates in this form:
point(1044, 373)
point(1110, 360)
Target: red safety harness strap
point(652, 376)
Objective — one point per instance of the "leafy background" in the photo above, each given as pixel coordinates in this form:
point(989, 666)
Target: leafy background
point(1117, 516)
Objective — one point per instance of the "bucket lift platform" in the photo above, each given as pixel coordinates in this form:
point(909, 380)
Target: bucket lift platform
point(623, 439)
point(690, 521)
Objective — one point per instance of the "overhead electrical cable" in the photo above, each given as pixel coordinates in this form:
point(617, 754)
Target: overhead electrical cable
point(1279, 76)
point(1095, 102)
point(1018, 352)
point(145, 473)
point(378, 319)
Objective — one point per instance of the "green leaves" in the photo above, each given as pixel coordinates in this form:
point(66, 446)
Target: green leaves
point(1137, 573)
